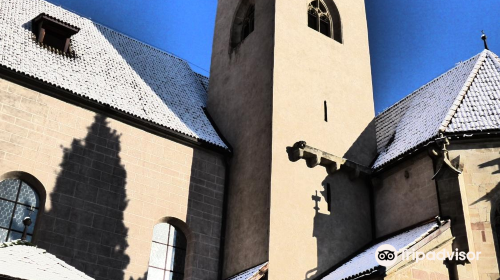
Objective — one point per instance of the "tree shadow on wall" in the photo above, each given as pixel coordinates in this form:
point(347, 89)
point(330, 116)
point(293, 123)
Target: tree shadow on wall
point(84, 226)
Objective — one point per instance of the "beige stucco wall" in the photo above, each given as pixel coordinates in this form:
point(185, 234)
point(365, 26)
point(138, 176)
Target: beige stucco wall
point(240, 102)
point(267, 95)
point(108, 184)
point(401, 202)
point(310, 68)
point(481, 180)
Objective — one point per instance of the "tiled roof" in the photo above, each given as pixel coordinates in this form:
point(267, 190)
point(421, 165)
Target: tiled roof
point(480, 107)
point(203, 80)
point(110, 68)
point(248, 274)
point(32, 263)
point(365, 262)
point(463, 99)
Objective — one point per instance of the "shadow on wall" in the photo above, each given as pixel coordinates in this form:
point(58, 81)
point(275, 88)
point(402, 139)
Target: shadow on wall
point(180, 89)
point(84, 226)
point(343, 224)
point(493, 197)
point(204, 216)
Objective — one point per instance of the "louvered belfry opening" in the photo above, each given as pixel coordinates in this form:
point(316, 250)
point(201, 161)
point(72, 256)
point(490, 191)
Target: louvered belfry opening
point(53, 33)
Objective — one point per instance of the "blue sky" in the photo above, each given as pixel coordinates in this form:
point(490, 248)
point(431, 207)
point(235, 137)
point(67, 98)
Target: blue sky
point(411, 42)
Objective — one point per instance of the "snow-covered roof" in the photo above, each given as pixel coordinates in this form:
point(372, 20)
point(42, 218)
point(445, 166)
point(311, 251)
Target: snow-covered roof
point(31, 263)
point(365, 262)
point(110, 68)
point(248, 274)
point(466, 98)
point(480, 107)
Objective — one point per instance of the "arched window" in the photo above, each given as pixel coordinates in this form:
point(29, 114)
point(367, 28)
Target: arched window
point(324, 18)
point(168, 253)
point(248, 23)
point(17, 201)
point(243, 23)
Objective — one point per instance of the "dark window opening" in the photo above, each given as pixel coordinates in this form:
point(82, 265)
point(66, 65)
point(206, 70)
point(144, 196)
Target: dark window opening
point(248, 23)
point(328, 197)
point(53, 33)
point(324, 26)
point(326, 111)
point(325, 19)
point(243, 24)
point(312, 17)
point(55, 41)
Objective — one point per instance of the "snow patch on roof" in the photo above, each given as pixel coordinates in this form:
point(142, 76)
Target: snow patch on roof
point(247, 274)
point(419, 117)
point(32, 263)
point(365, 262)
point(110, 68)
point(479, 109)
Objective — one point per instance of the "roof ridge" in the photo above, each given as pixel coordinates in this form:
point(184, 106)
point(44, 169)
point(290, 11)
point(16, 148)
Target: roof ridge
point(424, 86)
point(495, 58)
point(461, 95)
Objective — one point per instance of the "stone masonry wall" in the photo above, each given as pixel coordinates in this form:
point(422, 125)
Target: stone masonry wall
point(108, 184)
point(481, 177)
point(430, 269)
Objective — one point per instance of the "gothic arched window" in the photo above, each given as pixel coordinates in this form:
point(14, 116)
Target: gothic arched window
point(168, 253)
point(244, 22)
point(324, 18)
point(17, 201)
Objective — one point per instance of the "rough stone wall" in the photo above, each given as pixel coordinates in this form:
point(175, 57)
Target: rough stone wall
point(481, 180)
point(108, 184)
point(402, 202)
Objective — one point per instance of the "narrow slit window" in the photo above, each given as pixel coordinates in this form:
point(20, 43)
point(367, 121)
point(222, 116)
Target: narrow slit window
point(328, 197)
point(326, 111)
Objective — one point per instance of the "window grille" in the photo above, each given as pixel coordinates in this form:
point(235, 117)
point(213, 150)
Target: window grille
point(168, 253)
point(17, 201)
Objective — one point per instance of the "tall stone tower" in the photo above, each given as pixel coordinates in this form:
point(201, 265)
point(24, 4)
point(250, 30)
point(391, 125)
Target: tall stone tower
point(285, 71)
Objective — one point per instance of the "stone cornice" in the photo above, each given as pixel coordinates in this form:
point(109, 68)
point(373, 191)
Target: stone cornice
point(332, 163)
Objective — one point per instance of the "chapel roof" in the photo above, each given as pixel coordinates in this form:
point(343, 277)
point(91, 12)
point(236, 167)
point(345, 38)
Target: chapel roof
point(364, 263)
point(21, 260)
point(109, 68)
point(253, 273)
point(464, 99)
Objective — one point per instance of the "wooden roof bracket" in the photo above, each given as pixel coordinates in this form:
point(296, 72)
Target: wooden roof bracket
point(332, 163)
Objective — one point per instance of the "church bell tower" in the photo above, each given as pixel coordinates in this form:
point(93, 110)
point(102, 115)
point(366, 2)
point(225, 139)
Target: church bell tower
point(285, 71)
